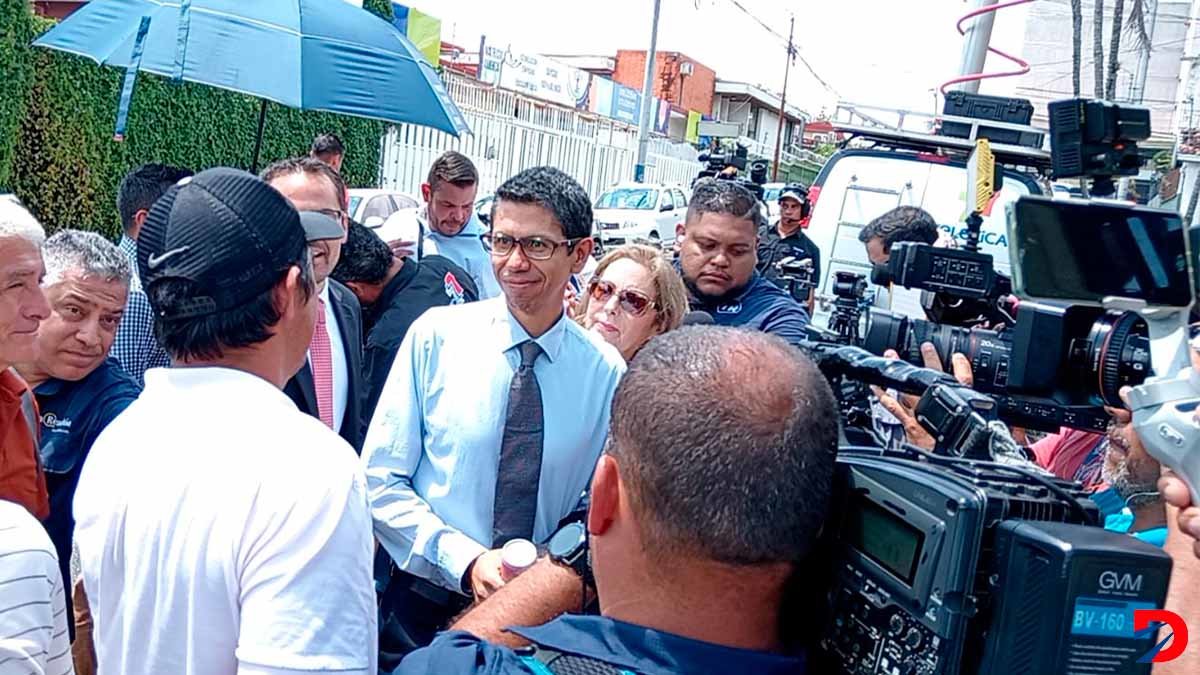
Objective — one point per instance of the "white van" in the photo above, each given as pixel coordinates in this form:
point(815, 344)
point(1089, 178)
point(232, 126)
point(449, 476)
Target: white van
point(857, 185)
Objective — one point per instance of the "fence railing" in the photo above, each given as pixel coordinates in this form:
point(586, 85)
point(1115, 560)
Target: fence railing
point(512, 132)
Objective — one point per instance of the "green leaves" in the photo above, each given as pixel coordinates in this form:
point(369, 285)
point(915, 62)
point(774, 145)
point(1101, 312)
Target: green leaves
point(57, 114)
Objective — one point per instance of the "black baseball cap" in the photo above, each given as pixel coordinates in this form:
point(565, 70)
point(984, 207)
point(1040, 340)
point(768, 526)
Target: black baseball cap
point(227, 232)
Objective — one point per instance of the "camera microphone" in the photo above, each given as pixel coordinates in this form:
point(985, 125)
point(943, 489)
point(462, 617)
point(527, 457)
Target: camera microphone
point(698, 318)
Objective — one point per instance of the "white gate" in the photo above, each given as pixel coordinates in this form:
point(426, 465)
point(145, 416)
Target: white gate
point(512, 132)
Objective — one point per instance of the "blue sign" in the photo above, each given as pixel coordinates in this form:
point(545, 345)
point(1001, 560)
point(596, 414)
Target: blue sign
point(626, 104)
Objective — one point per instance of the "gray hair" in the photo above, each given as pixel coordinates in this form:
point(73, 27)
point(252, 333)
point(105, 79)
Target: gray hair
point(726, 439)
point(86, 252)
point(15, 221)
point(724, 197)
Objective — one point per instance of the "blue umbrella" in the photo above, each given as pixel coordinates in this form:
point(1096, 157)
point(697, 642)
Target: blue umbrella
point(308, 54)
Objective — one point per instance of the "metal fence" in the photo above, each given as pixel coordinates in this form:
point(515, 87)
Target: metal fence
point(511, 132)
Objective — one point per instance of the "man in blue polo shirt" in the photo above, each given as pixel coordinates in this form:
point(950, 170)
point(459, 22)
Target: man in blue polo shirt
point(717, 257)
point(79, 389)
point(689, 563)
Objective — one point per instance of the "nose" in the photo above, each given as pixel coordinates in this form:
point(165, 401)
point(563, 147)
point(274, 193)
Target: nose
point(37, 308)
point(516, 259)
point(613, 302)
point(89, 332)
point(720, 259)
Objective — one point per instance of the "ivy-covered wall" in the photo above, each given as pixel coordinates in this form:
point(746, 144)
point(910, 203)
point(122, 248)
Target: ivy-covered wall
point(58, 111)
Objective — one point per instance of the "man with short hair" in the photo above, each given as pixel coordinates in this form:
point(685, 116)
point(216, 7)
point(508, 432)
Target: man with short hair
point(22, 307)
point(33, 618)
point(393, 291)
point(135, 347)
point(717, 257)
point(329, 149)
point(448, 225)
point(903, 223)
point(786, 239)
point(329, 386)
point(493, 414)
point(690, 564)
point(220, 530)
point(79, 389)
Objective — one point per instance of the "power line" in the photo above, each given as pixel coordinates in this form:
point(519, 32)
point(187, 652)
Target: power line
point(785, 41)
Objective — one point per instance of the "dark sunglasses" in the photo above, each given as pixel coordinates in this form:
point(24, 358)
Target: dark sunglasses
point(632, 302)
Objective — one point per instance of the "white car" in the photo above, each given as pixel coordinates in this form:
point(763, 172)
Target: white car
point(771, 199)
point(630, 212)
point(373, 207)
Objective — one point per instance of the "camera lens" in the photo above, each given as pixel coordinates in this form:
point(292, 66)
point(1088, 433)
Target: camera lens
point(988, 351)
point(1115, 354)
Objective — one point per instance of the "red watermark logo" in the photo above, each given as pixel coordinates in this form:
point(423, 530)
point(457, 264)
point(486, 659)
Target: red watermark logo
point(1147, 622)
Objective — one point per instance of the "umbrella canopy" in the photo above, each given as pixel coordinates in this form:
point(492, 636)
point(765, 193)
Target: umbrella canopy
point(308, 54)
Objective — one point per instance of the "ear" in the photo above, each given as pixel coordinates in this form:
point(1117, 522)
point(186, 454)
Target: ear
point(426, 192)
point(606, 496)
point(139, 219)
point(287, 293)
point(360, 291)
point(582, 250)
point(680, 231)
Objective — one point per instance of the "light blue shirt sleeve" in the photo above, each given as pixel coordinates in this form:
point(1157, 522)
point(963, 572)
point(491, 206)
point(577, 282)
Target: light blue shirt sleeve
point(418, 540)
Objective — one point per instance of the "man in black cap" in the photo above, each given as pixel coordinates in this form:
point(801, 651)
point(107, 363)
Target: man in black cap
point(786, 239)
point(220, 529)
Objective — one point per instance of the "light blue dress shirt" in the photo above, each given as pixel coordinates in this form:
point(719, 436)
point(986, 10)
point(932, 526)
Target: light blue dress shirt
point(467, 251)
point(433, 446)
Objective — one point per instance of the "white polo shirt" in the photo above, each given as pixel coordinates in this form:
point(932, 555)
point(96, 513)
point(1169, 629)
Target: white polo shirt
point(223, 531)
point(33, 610)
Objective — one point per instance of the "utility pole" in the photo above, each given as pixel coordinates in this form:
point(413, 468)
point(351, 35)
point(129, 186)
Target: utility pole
point(787, 66)
point(975, 45)
point(639, 172)
point(1143, 65)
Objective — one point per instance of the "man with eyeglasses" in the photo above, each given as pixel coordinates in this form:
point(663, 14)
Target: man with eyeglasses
point(492, 418)
point(330, 385)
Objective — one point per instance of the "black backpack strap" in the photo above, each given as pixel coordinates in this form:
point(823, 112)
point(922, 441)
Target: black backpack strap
point(543, 661)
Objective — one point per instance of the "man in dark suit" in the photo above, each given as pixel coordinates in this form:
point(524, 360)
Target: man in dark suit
point(330, 385)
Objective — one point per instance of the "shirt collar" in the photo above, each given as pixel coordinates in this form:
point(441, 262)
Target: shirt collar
point(644, 649)
point(246, 384)
point(512, 333)
point(12, 387)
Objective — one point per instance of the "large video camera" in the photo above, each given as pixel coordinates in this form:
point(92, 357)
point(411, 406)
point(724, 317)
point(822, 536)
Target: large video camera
point(970, 559)
point(728, 165)
point(1056, 367)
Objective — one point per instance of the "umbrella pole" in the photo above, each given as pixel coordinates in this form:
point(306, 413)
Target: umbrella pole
point(262, 122)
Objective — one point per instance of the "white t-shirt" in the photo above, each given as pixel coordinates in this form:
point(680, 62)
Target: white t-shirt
point(222, 531)
point(33, 609)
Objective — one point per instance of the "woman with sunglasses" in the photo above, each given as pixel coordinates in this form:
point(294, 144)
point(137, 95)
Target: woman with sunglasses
point(633, 295)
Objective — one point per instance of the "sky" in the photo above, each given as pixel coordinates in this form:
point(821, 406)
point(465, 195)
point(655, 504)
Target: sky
point(892, 53)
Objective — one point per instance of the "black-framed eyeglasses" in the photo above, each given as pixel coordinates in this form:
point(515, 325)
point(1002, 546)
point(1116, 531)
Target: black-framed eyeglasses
point(632, 302)
point(534, 248)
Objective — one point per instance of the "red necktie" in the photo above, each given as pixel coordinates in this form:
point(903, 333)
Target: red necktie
point(321, 356)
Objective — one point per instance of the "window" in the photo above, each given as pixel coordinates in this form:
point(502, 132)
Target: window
point(628, 198)
point(680, 200)
point(380, 206)
point(405, 202)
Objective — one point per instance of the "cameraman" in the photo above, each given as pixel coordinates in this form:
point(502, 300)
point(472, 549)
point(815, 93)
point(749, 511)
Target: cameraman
point(717, 257)
point(916, 225)
point(690, 564)
point(786, 239)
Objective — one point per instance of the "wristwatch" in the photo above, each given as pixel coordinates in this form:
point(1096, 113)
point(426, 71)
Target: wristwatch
point(569, 548)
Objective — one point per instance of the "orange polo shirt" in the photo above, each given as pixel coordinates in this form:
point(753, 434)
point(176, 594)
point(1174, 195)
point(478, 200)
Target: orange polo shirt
point(21, 478)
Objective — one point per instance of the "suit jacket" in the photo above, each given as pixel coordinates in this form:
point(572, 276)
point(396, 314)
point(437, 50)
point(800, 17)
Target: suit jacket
point(301, 389)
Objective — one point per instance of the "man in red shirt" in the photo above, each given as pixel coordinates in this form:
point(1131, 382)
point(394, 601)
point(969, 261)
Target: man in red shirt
point(22, 308)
